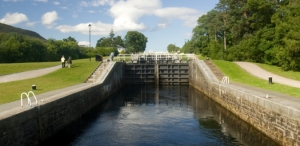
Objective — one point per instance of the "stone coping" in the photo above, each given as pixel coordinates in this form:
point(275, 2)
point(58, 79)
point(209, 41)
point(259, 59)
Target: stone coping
point(280, 103)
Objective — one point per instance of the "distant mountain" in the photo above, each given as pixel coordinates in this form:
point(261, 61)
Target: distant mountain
point(8, 29)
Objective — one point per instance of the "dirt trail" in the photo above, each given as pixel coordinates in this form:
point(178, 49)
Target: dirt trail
point(255, 70)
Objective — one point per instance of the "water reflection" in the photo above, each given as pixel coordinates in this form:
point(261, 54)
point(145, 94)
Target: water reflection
point(145, 115)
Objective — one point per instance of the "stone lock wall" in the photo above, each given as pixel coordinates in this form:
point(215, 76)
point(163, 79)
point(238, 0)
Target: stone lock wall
point(34, 125)
point(279, 122)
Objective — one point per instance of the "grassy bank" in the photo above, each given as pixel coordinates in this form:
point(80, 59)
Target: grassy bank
point(63, 77)
point(236, 74)
point(9, 68)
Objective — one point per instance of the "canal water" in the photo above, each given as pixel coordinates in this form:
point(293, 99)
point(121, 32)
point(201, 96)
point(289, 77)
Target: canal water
point(165, 115)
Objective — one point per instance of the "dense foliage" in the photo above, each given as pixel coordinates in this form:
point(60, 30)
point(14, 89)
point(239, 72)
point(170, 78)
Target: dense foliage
point(173, 48)
point(135, 42)
point(250, 30)
point(15, 47)
point(110, 41)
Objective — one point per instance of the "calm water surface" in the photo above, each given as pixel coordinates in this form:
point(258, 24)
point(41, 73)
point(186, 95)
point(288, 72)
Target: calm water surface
point(147, 115)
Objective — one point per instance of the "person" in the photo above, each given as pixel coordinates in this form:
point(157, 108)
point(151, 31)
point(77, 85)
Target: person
point(112, 56)
point(62, 61)
point(69, 62)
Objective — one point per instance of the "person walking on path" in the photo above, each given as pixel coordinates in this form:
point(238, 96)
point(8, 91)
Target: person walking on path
point(69, 62)
point(112, 56)
point(62, 61)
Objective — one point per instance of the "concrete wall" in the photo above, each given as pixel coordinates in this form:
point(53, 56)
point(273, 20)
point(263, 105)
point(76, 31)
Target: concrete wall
point(31, 126)
point(278, 121)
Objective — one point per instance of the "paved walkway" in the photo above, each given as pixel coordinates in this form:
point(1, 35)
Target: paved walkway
point(255, 70)
point(28, 74)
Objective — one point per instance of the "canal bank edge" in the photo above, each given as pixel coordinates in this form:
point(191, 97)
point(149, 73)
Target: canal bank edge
point(272, 116)
point(56, 110)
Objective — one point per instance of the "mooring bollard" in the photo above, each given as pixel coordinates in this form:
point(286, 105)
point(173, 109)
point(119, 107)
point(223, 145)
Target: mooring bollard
point(270, 80)
point(33, 87)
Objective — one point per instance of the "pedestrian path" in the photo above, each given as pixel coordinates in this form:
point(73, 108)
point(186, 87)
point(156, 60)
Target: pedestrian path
point(28, 74)
point(255, 70)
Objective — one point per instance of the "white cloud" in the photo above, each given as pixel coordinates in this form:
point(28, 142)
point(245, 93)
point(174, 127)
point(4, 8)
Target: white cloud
point(96, 3)
point(56, 3)
point(13, 18)
point(160, 26)
point(84, 43)
point(127, 15)
point(91, 11)
point(41, 0)
point(187, 15)
point(64, 8)
point(49, 18)
point(98, 28)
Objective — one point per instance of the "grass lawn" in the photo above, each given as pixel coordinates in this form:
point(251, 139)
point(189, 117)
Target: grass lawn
point(63, 77)
point(277, 70)
point(236, 74)
point(9, 68)
point(201, 57)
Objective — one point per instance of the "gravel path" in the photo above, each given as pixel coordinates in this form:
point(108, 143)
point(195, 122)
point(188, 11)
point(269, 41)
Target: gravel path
point(28, 74)
point(255, 70)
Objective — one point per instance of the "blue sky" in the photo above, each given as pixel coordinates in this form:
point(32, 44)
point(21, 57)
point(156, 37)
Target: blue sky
point(163, 22)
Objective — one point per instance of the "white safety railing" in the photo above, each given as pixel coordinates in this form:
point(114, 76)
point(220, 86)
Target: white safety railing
point(225, 80)
point(153, 56)
point(28, 98)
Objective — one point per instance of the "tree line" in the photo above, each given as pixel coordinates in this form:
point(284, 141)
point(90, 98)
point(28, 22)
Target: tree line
point(133, 42)
point(15, 47)
point(262, 31)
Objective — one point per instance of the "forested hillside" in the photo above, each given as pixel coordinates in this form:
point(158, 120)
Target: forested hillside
point(9, 29)
point(264, 31)
point(16, 47)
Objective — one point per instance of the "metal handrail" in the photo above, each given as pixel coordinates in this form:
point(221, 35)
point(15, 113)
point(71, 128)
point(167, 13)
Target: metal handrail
point(225, 80)
point(27, 95)
point(29, 101)
point(154, 56)
point(36, 102)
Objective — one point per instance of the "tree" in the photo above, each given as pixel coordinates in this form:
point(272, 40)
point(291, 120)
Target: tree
point(287, 20)
point(118, 41)
point(111, 38)
point(135, 42)
point(172, 48)
point(110, 41)
point(103, 42)
point(70, 39)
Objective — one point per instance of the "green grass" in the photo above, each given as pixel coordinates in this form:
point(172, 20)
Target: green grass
point(63, 77)
point(277, 70)
point(236, 74)
point(125, 58)
point(9, 68)
point(201, 57)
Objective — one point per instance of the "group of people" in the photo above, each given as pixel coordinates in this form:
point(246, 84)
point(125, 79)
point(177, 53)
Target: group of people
point(63, 62)
point(69, 61)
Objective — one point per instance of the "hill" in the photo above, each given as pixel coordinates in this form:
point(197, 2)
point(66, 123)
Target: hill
point(8, 29)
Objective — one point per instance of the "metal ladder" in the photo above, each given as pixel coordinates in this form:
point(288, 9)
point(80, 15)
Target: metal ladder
point(28, 98)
